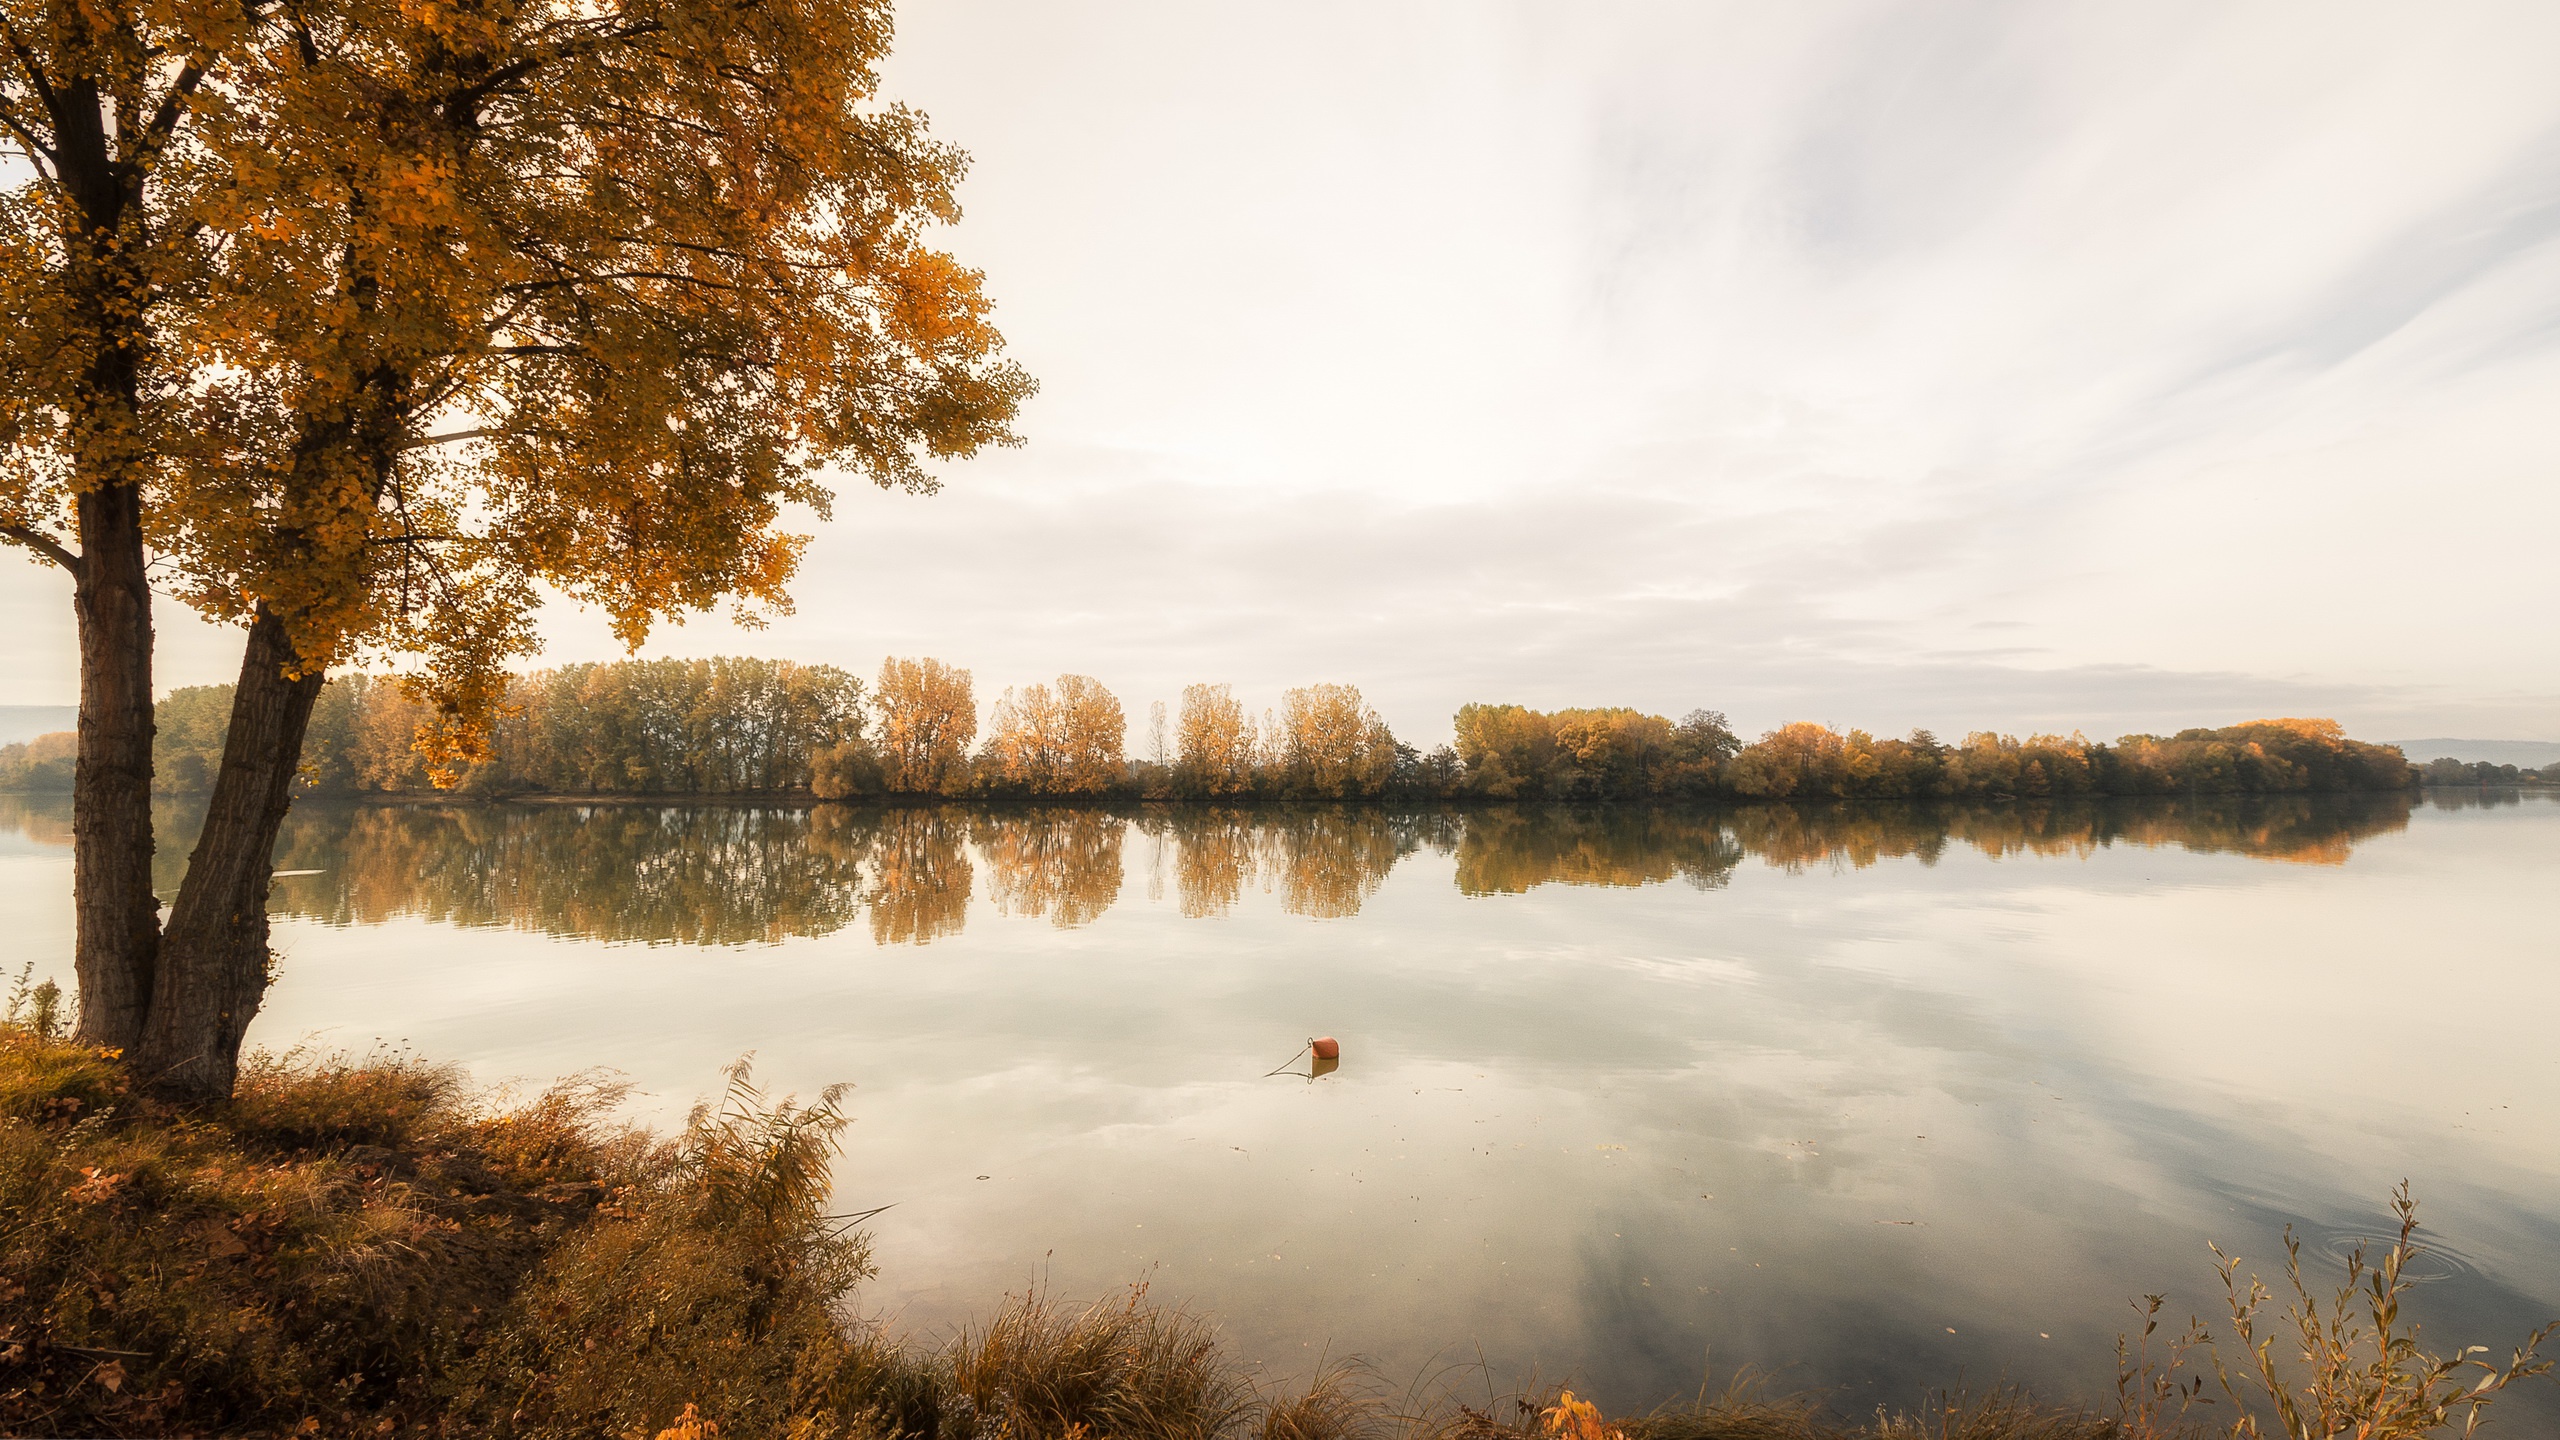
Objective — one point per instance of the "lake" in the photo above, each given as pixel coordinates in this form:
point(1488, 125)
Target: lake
point(1878, 1096)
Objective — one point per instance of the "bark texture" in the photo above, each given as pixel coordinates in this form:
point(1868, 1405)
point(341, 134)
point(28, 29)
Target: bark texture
point(116, 921)
point(213, 956)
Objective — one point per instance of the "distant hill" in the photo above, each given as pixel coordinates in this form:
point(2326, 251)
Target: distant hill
point(2532, 754)
point(21, 723)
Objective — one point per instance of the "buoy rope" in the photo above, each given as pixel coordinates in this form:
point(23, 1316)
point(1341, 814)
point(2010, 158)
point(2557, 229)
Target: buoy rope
point(1284, 1065)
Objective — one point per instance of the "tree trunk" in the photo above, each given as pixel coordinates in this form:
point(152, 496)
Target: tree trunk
point(116, 920)
point(212, 969)
point(116, 924)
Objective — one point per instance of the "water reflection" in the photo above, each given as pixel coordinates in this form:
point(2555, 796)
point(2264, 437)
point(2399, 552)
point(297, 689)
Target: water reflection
point(2301, 829)
point(2476, 797)
point(1214, 858)
point(1063, 863)
point(1508, 852)
point(1327, 860)
point(36, 822)
point(688, 875)
point(1630, 1086)
point(726, 875)
point(919, 878)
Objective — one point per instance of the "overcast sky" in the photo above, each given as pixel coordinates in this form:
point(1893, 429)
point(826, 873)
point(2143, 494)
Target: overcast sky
point(2029, 366)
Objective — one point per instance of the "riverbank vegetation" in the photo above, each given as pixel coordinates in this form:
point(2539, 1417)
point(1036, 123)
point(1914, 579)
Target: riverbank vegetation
point(371, 1248)
point(736, 726)
point(2449, 772)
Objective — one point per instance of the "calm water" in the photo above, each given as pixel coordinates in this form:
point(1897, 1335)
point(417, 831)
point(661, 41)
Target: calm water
point(1883, 1096)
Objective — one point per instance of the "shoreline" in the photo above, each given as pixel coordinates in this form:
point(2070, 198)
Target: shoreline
point(802, 800)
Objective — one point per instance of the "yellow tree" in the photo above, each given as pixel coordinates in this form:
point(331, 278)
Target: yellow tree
point(1333, 744)
point(928, 716)
point(496, 298)
point(103, 261)
point(1507, 749)
point(1093, 733)
point(1612, 752)
point(1026, 740)
point(1065, 741)
point(1216, 745)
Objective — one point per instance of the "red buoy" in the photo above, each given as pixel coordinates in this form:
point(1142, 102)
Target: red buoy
point(1326, 1047)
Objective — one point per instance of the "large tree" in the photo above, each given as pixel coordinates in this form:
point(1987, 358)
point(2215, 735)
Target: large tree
point(509, 297)
point(101, 263)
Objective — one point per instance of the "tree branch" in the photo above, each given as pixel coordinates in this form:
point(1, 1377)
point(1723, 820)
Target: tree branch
point(164, 119)
point(447, 438)
point(44, 545)
point(45, 161)
point(36, 79)
point(470, 96)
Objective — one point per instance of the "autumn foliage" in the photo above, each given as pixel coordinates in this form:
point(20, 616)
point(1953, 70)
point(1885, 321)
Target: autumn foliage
point(739, 726)
point(370, 324)
point(455, 301)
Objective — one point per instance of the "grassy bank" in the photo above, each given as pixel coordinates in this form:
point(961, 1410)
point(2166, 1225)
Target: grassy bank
point(374, 1249)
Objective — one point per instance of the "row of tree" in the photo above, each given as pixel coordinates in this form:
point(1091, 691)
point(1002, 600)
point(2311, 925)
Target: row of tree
point(737, 726)
point(2444, 770)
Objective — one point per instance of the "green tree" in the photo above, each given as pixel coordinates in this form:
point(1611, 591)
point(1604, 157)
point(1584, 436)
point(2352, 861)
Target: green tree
point(186, 744)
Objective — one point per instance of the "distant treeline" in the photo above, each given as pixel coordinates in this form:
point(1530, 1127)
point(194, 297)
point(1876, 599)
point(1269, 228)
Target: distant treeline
point(2446, 771)
point(772, 727)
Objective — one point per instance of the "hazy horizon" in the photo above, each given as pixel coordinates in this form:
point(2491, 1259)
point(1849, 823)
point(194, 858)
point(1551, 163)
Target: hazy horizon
point(1960, 366)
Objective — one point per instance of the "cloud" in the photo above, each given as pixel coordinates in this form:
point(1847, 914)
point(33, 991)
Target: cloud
point(1888, 364)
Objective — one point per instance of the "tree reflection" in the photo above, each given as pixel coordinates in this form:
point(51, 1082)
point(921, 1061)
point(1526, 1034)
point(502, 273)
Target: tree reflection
point(920, 873)
point(725, 875)
point(2471, 797)
point(692, 875)
point(1507, 851)
point(40, 820)
point(2296, 829)
point(1326, 860)
point(1059, 862)
point(1213, 858)
point(2300, 829)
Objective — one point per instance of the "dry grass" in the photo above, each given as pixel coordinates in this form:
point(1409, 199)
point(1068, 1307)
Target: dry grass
point(2344, 1365)
point(1340, 1402)
point(1121, 1367)
point(315, 1254)
point(1749, 1409)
